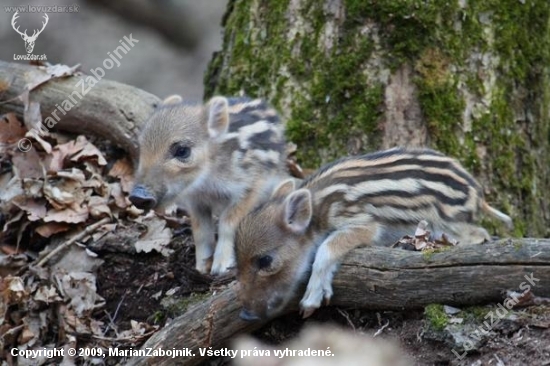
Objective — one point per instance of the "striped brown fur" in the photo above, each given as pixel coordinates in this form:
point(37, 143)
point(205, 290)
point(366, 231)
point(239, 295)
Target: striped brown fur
point(373, 199)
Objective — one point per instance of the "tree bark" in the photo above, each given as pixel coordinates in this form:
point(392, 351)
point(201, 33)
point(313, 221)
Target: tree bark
point(376, 278)
point(110, 110)
point(467, 78)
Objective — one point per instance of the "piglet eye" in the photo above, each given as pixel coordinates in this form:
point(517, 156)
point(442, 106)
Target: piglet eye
point(264, 261)
point(181, 152)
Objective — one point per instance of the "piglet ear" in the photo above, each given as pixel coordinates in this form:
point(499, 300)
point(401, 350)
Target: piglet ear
point(284, 189)
point(218, 116)
point(298, 211)
point(172, 99)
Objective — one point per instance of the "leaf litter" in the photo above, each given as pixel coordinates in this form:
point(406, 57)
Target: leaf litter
point(423, 239)
point(56, 202)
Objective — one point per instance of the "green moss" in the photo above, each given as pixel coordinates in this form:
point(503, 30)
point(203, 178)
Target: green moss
point(429, 253)
point(475, 313)
point(338, 106)
point(157, 317)
point(517, 245)
point(176, 307)
point(496, 51)
point(442, 105)
point(435, 315)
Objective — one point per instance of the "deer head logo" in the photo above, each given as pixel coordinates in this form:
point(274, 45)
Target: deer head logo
point(29, 40)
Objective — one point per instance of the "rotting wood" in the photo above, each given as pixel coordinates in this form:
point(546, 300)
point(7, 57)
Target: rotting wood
point(376, 278)
point(110, 110)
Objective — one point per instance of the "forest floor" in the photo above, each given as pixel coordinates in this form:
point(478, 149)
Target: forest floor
point(519, 338)
point(80, 266)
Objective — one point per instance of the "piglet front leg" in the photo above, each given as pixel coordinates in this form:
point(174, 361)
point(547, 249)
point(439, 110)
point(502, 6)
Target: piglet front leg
point(326, 262)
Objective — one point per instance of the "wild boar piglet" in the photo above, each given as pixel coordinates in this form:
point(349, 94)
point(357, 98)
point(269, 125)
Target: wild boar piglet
point(373, 199)
point(214, 160)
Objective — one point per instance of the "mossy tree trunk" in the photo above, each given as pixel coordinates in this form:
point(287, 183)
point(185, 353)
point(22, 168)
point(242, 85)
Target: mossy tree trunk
point(470, 78)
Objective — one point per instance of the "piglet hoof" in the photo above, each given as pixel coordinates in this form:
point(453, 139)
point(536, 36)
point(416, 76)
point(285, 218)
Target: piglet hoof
point(223, 263)
point(327, 293)
point(203, 266)
point(307, 312)
point(308, 306)
point(220, 269)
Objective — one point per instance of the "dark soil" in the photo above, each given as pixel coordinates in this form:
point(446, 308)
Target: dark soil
point(129, 282)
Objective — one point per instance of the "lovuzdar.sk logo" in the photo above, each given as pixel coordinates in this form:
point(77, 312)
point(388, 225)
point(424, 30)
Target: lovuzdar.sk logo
point(29, 40)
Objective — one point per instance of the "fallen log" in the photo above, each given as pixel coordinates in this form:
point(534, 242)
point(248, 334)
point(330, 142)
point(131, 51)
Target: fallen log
point(377, 278)
point(110, 110)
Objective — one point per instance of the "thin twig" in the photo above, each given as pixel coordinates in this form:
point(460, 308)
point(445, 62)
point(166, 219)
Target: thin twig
point(112, 324)
point(346, 315)
point(75, 238)
point(379, 331)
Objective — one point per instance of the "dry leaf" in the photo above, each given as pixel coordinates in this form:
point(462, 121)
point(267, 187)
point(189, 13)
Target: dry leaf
point(47, 294)
point(27, 335)
point(80, 289)
point(33, 121)
point(13, 290)
point(49, 229)
point(74, 174)
point(68, 149)
point(98, 207)
point(137, 331)
point(10, 190)
point(27, 164)
point(67, 215)
point(88, 150)
point(157, 237)
point(33, 188)
point(54, 162)
point(124, 171)
point(11, 129)
point(50, 72)
point(65, 193)
point(75, 259)
point(11, 263)
point(59, 70)
point(45, 145)
point(121, 201)
point(35, 209)
point(424, 240)
point(73, 323)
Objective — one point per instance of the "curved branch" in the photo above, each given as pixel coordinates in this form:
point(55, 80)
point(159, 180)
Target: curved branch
point(110, 110)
